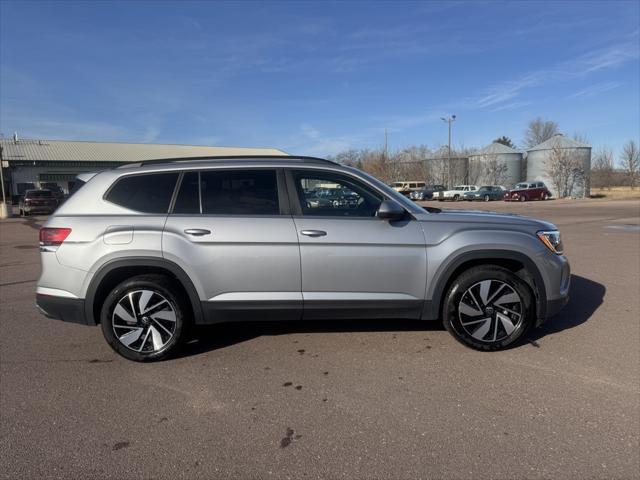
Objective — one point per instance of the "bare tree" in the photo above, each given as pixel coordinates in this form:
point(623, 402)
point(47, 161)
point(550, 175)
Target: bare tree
point(495, 171)
point(602, 172)
point(538, 131)
point(487, 170)
point(565, 170)
point(352, 157)
point(504, 140)
point(630, 162)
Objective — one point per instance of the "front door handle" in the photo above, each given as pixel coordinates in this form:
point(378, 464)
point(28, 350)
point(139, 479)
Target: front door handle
point(197, 232)
point(313, 233)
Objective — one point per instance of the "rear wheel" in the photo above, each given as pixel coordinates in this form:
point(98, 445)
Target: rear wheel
point(456, 198)
point(143, 318)
point(488, 308)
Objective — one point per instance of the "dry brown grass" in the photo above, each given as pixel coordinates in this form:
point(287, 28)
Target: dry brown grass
point(615, 193)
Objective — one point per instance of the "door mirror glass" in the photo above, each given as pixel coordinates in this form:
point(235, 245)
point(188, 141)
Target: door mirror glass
point(390, 210)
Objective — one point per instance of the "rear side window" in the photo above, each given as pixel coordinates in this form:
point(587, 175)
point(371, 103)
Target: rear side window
point(239, 192)
point(188, 199)
point(150, 193)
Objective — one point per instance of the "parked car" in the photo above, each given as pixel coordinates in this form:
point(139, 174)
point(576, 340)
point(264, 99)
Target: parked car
point(146, 250)
point(485, 193)
point(55, 189)
point(527, 191)
point(456, 193)
point(406, 188)
point(427, 192)
point(37, 201)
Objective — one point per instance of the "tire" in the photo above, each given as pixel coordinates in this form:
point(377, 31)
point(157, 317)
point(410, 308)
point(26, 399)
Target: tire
point(144, 338)
point(522, 198)
point(456, 198)
point(479, 321)
point(487, 198)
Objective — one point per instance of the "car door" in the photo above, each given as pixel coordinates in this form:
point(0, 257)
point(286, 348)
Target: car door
point(355, 265)
point(231, 231)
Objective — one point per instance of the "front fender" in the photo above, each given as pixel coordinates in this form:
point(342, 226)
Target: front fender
point(446, 258)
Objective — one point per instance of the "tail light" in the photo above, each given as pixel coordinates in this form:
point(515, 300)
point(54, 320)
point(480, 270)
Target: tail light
point(50, 237)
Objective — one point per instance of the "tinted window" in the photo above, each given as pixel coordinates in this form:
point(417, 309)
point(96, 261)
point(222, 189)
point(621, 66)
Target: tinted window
point(149, 193)
point(188, 199)
point(239, 192)
point(346, 197)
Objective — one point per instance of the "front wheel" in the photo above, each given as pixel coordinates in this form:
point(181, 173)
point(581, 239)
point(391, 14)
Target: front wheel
point(143, 318)
point(488, 308)
point(523, 198)
point(487, 198)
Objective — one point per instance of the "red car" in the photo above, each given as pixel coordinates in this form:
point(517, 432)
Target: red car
point(523, 192)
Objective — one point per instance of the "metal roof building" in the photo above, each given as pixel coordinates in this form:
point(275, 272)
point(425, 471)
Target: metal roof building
point(496, 164)
point(41, 163)
point(557, 148)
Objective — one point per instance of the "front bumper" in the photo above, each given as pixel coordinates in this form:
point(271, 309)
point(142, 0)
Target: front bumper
point(559, 296)
point(62, 308)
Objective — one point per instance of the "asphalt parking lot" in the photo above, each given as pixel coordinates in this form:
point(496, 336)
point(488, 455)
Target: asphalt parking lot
point(383, 399)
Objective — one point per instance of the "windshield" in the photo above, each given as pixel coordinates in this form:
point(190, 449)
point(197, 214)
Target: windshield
point(38, 193)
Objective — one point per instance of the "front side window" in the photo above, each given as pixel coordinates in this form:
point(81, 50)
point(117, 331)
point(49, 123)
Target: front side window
point(148, 193)
point(333, 195)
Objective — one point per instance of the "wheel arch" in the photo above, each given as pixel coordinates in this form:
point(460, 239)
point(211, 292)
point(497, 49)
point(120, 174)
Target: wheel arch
point(115, 271)
point(517, 262)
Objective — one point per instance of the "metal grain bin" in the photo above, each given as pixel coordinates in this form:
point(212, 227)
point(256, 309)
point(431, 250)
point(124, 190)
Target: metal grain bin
point(496, 164)
point(563, 164)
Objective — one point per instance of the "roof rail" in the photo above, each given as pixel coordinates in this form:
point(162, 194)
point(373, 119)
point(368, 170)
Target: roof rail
point(225, 157)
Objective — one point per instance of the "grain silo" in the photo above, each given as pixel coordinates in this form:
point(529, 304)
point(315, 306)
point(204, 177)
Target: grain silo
point(496, 164)
point(563, 164)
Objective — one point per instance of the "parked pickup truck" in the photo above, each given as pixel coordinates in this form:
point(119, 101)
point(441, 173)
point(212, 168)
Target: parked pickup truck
point(456, 193)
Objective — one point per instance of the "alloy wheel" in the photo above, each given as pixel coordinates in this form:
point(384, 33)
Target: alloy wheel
point(144, 321)
point(490, 311)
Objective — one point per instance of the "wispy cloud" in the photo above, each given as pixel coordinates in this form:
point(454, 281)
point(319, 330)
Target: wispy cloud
point(512, 106)
point(311, 141)
point(596, 89)
point(583, 65)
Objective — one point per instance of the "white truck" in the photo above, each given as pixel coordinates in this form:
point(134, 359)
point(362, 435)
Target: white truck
point(456, 193)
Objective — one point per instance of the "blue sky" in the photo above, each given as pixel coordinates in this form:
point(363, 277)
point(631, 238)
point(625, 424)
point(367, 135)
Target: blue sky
point(318, 78)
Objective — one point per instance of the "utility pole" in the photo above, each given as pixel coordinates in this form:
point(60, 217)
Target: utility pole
point(449, 120)
point(4, 208)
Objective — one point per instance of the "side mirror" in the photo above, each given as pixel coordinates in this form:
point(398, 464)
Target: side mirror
point(390, 210)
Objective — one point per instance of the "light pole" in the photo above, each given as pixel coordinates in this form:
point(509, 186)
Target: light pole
point(449, 120)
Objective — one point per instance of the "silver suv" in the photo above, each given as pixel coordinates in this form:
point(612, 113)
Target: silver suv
point(146, 250)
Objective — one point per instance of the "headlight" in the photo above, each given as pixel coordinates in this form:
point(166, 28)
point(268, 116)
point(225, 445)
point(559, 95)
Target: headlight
point(552, 240)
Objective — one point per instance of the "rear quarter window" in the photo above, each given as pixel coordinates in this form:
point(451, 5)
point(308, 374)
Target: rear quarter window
point(148, 193)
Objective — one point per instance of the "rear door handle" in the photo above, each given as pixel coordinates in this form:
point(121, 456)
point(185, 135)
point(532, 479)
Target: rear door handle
point(313, 233)
point(197, 232)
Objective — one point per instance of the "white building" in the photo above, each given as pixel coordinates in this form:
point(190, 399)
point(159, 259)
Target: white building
point(43, 163)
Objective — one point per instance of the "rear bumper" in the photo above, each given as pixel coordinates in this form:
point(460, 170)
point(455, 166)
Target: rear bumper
point(62, 308)
point(39, 209)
